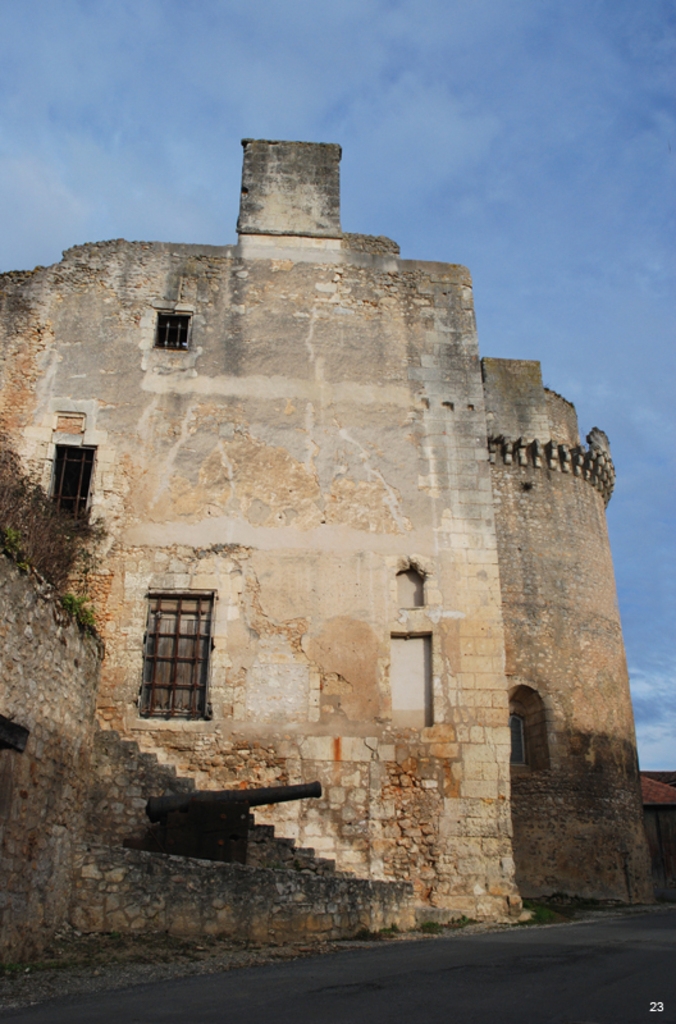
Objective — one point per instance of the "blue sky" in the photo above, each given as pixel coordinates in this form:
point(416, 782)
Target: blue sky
point(532, 140)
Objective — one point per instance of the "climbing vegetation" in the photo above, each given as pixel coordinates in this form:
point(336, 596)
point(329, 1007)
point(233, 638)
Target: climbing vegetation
point(39, 536)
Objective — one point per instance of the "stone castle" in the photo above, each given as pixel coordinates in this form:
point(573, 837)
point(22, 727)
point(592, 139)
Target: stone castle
point(339, 546)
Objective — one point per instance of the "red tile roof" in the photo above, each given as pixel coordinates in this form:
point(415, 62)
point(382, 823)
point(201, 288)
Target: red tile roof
point(668, 777)
point(657, 792)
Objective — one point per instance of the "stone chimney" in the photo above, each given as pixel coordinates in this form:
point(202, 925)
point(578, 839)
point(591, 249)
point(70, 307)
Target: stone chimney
point(290, 188)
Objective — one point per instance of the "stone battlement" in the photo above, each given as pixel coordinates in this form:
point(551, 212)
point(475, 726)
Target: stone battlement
point(593, 464)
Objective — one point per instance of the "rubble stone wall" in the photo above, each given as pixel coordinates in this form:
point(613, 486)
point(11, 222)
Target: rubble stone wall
point(129, 890)
point(48, 678)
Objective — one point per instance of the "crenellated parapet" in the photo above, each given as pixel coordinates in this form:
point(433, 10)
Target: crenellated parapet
point(593, 464)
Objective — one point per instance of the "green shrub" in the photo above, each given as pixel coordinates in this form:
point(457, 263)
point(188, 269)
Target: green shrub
point(80, 609)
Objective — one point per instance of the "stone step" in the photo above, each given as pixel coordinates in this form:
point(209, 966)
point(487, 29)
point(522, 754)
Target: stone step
point(260, 832)
point(266, 849)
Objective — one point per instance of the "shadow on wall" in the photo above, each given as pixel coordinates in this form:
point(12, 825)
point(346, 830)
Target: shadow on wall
point(575, 827)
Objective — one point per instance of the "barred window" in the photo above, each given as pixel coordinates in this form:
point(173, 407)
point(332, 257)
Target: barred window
point(172, 331)
point(176, 655)
point(72, 478)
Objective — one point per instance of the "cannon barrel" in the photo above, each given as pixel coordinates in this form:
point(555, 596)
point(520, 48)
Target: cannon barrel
point(159, 806)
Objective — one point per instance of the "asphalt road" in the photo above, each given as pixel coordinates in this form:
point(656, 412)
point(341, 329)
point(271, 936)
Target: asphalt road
point(618, 971)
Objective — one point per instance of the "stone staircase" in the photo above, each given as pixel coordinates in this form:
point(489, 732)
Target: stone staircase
point(266, 850)
point(296, 896)
point(124, 777)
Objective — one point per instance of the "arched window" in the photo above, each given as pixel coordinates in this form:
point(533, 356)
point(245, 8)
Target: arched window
point(410, 589)
point(528, 728)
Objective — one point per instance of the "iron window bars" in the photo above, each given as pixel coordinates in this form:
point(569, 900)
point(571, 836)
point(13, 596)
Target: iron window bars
point(72, 478)
point(172, 331)
point(176, 655)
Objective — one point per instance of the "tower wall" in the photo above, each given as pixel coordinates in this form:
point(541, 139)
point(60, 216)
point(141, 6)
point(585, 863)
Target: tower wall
point(576, 808)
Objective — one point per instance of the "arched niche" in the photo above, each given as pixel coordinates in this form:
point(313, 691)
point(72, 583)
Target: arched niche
point(528, 728)
point(410, 588)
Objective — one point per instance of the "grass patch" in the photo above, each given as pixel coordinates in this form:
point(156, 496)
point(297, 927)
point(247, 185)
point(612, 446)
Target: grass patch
point(90, 952)
point(431, 927)
point(541, 914)
point(559, 907)
point(435, 928)
point(366, 935)
point(461, 922)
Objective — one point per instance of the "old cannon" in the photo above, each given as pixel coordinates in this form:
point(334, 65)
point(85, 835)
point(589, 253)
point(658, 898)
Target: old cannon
point(211, 824)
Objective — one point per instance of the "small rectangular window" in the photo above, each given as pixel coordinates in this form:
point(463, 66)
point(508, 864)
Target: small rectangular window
point(172, 331)
point(176, 655)
point(72, 478)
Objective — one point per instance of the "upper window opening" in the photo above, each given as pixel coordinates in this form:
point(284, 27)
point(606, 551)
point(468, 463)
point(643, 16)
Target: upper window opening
point(172, 331)
point(410, 589)
point(72, 478)
point(518, 754)
point(176, 656)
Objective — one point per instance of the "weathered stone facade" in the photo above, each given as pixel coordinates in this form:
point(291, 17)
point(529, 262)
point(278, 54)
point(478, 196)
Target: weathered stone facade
point(316, 442)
